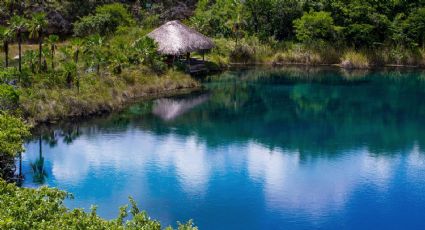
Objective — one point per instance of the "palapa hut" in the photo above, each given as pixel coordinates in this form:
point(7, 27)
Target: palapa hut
point(176, 39)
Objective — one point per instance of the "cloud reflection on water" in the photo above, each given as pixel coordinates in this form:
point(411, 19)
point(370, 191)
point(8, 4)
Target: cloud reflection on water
point(289, 185)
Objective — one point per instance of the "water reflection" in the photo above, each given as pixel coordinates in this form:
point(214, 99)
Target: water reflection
point(39, 174)
point(274, 148)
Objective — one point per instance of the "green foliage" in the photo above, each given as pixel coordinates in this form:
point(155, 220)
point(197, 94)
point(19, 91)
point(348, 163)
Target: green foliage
point(106, 20)
point(8, 75)
point(9, 97)
point(17, 24)
point(415, 26)
point(217, 18)
point(43, 208)
point(51, 41)
point(145, 52)
point(30, 58)
point(37, 24)
point(12, 134)
point(360, 23)
point(95, 53)
point(315, 26)
point(272, 17)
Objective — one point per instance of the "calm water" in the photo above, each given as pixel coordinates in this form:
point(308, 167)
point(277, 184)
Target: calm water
point(281, 149)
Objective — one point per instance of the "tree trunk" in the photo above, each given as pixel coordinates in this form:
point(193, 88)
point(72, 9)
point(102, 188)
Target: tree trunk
point(41, 147)
point(77, 53)
point(6, 53)
point(53, 57)
point(69, 80)
point(20, 53)
point(40, 49)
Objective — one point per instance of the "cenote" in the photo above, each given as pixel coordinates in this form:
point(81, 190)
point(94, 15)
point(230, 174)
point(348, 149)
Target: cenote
point(257, 149)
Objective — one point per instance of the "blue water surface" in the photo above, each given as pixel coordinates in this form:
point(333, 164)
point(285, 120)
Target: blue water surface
point(257, 149)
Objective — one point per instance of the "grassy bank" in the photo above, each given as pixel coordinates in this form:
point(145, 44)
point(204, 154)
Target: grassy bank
point(251, 50)
point(99, 94)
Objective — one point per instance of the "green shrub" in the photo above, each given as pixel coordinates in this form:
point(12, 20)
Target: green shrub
point(8, 75)
point(9, 97)
point(242, 53)
point(144, 51)
point(106, 20)
point(43, 208)
point(13, 131)
point(315, 26)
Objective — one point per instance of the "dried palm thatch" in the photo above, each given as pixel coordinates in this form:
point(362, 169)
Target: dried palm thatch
point(175, 38)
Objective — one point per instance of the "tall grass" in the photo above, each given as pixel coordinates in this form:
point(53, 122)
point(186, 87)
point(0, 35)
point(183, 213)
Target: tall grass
point(354, 60)
point(250, 50)
point(98, 94)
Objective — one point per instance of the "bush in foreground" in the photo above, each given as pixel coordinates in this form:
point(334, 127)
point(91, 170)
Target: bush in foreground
point(23, 208)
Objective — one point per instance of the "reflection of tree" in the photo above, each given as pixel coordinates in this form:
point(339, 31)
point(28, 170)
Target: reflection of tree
point(51, 138)
point(39, 174)
point(70, 134)
point(327, 115)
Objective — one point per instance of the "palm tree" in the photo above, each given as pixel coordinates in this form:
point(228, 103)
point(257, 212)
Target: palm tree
point(30, 58)
point(69, 70)
point(68, 65)
point(17, 26)
point(36, 25)
point(51, 41)
point(94, 46)
point(77, 46)
point(5, 37)
point(11, 5)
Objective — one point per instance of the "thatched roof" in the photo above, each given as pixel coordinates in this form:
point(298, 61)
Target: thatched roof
point(175, 38)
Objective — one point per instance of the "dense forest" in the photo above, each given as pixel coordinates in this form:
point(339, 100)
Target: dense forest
point(364, 33)
point(358, 23)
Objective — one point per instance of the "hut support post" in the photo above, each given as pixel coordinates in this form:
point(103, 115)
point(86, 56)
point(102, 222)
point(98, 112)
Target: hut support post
point(174, 60)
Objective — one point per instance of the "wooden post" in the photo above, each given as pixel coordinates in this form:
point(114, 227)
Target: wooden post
point(188, 61)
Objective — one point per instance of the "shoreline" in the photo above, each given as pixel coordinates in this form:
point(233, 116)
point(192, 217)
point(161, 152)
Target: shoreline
point(50, 106)
point(120, 102)
point(117, 108)
point(300, 64)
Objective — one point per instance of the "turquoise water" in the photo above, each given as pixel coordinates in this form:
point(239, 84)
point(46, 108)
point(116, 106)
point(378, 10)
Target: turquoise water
point(257, 149)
